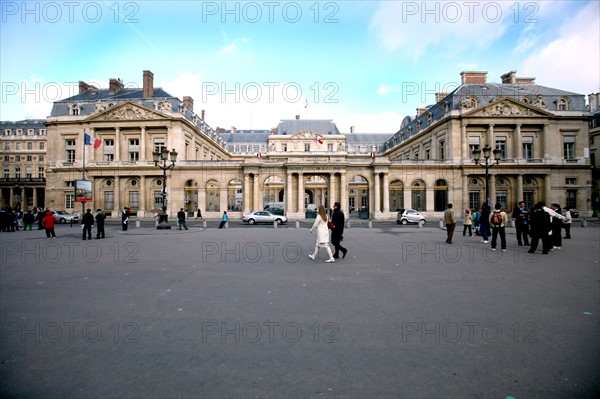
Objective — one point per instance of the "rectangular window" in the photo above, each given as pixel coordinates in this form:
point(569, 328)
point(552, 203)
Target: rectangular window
point(134, 156)
point(134, 199)
point(109, 157)
point(109, 200)
point(30, 145)
point(109, 150)
point(28, 172)
point(501, 145)
point(41, 172)
point(528, 147)
point(42, 145)
point(501, 198)
point(70, 183)
point(329, 147)
point(571, 199)
point(41, 158)
point(284, 147)
point(6, 172)
point(474, 199)
point(528, 198)
point(17, 146)
point(442, 149)
point(6, 145)
point(134, 150)
point(29, 158)
point(307, 147)
point(158, 199)
point(17, 158)
point(570, 180)
point(159, 144)
point(427, 153)
point(69, 200)
point(17, 172)
point(569, 147)
point(70, 155)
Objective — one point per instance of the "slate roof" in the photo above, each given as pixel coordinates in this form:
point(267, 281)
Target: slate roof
point(24, 124)
point(293, 126)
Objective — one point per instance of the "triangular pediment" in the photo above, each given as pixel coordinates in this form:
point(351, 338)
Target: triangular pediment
point(128, 110)
point(507, 107)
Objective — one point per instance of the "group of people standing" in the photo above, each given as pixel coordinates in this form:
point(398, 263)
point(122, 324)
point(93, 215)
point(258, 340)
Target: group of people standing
point(87, 222)
point(539, 223)
point(323, 224)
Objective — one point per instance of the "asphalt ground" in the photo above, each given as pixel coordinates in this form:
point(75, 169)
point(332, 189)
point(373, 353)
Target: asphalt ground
point(243, 312)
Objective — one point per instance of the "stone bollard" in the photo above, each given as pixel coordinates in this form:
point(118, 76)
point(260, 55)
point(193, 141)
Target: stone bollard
point(420, 224)
point(511, 223)
point(227, 224)
point(442, 224)
point(583, 223)
point(204, 224)
point(297, 224)
point(274, 224)
point(137, 224)
point(370, 224)
point(348, 223)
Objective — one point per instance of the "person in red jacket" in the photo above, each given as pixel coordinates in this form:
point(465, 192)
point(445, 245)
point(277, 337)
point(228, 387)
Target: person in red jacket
point(48, 222)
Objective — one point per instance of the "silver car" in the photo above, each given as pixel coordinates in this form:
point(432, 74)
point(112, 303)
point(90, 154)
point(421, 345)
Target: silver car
point(65, 217)
point(406, 216)
point(263, 217)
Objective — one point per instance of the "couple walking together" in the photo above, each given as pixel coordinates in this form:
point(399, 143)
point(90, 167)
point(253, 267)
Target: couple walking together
point(321, 225)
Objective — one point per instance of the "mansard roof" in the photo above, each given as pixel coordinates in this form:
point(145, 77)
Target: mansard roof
point(320, 126)
point(24, 124)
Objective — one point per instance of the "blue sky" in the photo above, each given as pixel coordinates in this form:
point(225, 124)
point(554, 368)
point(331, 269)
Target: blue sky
point(250, 64)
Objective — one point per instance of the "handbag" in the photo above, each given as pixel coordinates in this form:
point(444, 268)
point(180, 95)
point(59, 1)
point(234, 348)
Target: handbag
point(330, 225)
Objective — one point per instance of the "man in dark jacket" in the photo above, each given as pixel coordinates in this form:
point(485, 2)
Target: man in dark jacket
point(338, 219)
point(181, 219)
point(87, 221)
point(100, 218)
point(521, 217)
point(540, 226)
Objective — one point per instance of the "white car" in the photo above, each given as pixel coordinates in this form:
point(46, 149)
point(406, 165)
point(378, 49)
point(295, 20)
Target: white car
point(65, 217)
point(406, 216)
point(263, 217)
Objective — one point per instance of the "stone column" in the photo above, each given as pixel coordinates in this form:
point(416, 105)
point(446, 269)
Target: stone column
point(492, 190)
point(331, 190)
point(489, 137)
point(465, 190)
point(519, 192)
point(408, 197)
point(289, 193)
point(518, 148)
point(547, 191)
point(429, 198)
point(246, 205)
point(117, 195)
point(223, 199)
point(464, 143)
point(300, 192)
point(344, 194)
point(117, 156)
point(143, 195)
point(35, 197)
point(143, 143)
point(386, 193)
point(255, 193)
point(376, 194)
point(546, 139)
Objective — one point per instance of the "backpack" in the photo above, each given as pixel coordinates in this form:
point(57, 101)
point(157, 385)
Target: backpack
point(496, 219)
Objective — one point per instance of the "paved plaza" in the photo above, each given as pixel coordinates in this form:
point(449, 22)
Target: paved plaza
point(243, 312)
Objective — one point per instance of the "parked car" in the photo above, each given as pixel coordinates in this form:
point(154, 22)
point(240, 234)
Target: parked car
point(65, 217)
point(406, 216)
point(276, 211)
point(263, 217)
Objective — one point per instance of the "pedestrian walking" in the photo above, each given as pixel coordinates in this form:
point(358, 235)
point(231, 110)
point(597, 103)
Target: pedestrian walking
point(199, 214)
point(484, 223)
point(181, 219)
point(39, 215)
point(320, 225)
point(566, 224)
point(498, 220)
point(48, 222)
point(124, 218)
point(450, 221)
point(521, 216)
point(539, 228)
point(100, 218)
point(87, 221)
point(467, 223)
point(557, 222)
point(224, 219)
point(337, 233)
point(28, 220)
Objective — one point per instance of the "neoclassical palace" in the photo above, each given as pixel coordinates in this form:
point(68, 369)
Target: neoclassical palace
point(541, 135)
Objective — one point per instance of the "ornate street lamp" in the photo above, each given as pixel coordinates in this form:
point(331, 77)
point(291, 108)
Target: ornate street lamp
point(161, 161)
point(487, 152)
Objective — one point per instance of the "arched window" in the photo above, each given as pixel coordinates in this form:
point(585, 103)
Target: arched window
point(419, 199)
point(440, 195)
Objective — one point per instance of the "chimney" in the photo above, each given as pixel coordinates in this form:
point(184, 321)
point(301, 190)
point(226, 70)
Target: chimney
point(83, 87)
point(351, 129)
point(188, 102)
point(202, 114)
point(440, 96)
point(509, 77)
point(420, 111)
point(148, 85)
point(525, 80)
point(233, 130)
point(593, 101)
point(473, 77)
point(115, 85)
point(297, 117)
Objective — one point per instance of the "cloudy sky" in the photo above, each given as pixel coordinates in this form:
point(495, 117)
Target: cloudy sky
point(249, 64)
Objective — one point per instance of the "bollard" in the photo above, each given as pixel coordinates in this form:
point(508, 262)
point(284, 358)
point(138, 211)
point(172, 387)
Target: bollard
point(156, 223)
point(227, 224)
point(204, 224)
point(297, 224)
point(137, 224)
point(370, 224)
point(442, 224)
point(511, 223)
point(420, 224)
point(274, 224)
point(583, 223)
point(348, 223)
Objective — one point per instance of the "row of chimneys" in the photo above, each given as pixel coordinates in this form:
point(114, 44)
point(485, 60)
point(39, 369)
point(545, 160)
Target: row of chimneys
point(116, 85)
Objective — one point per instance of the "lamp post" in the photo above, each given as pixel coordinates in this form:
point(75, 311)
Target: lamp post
point(161, 161)
point(487, 152)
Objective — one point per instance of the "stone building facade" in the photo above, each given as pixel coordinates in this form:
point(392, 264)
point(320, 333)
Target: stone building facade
point(541, 133)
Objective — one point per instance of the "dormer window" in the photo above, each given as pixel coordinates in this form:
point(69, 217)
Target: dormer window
point(562, 104)
point(74, 109)
point(429, 117)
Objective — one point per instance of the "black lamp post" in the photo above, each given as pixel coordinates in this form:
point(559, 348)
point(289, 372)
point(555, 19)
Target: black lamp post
point(161, 160)
point(487, 152)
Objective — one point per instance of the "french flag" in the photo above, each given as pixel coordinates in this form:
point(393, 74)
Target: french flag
point(89, 140)
point(319, 140)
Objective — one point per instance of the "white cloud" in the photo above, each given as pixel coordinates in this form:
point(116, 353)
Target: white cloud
point(570, 61)
point(384, 89)
point(414, 27)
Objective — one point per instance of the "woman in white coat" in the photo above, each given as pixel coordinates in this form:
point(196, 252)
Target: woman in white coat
point(322, 235)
